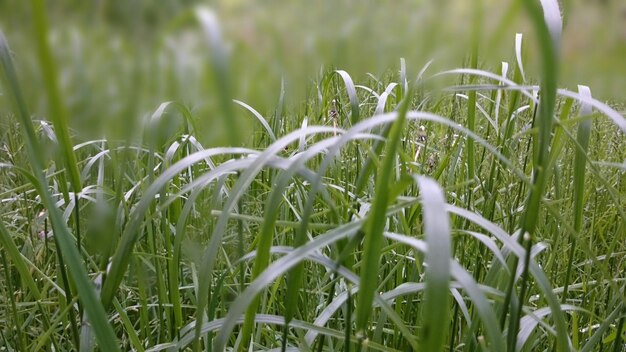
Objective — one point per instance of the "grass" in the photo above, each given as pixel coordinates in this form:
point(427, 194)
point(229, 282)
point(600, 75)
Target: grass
point(438, 209)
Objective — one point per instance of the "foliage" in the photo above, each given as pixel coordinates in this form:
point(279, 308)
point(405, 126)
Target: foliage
point(422, 208)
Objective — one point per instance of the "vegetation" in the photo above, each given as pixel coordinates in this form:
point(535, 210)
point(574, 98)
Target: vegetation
point(423, 208)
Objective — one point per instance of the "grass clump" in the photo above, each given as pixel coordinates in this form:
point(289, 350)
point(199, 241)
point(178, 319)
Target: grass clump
point(441, 209)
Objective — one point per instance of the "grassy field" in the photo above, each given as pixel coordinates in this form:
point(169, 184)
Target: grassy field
point(173, 178)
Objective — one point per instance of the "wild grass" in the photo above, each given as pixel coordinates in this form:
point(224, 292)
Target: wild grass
point(455, 209)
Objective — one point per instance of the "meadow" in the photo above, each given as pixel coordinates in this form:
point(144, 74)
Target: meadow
point(174, 179)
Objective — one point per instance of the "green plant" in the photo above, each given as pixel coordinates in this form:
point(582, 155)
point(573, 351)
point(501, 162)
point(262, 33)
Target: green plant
point(454, 209)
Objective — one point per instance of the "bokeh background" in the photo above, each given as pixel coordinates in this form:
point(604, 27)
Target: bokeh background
point(118, 60)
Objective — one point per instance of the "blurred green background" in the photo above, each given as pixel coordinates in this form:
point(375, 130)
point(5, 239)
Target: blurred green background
point(118, 60)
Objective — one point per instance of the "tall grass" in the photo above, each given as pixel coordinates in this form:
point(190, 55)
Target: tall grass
point(436, 209)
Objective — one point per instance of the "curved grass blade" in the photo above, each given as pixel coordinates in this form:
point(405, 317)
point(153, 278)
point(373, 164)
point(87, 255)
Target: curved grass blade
point(339, 301)
point(425, 116)
point(615, 116)
point(612, 114)
point(467, 282)
point(259, 117)
point(218, 324)
point(159, 115)
point(122, 254)
point(354, 99)
point(223, 169)
point(382, 100)
point(295, 276)
point(531, 320)
point(274, 270)
point(505, 82)
point(278, 268)
point(525, 90)
point(542, 281)
point(266, 234)
point(210, 254)
point(491, 245)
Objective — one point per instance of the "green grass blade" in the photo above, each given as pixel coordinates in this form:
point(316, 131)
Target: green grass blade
point(94, 309)
point(376, 222)
point(382, 100)
point(473, 290)
point(531, 320)
point(220, 64)
point(264, 243)
point(57, 111)
point(533, 268)
point(130, 328)
point(438, 256)
point(354, 99)
point(259, 117)
point(122, 255)
point(548, 24)
point(477, 14)
point(580, 162)
point(518, 55)
point(273, 271)
point(16, 257)
point(616, 117)
point(549, 34)
point(595, 339)
point(210, 254)
point(404, 82)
